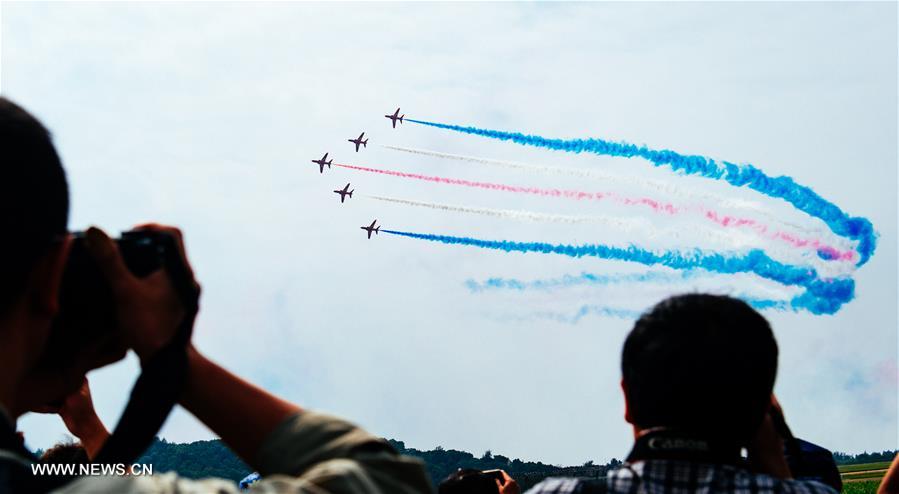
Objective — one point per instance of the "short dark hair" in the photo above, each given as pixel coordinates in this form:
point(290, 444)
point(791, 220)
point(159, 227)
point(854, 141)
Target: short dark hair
point(704, 364)
point(468, 481)
point(66, 454)
point(34, 198)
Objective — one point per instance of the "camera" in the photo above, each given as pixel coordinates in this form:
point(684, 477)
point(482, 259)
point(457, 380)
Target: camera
point(87, 308)
point(807, 461)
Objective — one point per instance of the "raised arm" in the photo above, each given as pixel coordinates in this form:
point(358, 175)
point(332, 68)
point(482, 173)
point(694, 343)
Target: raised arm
point(319, 453)
point(242, 414)
point(81, 419)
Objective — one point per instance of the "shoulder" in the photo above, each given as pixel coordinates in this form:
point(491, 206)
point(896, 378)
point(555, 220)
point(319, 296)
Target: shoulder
point(15, 472)
point(807, 487)
point(333, 454)
point(767, 483)
point(759, 482)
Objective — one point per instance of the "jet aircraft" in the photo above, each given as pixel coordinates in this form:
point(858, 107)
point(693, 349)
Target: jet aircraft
point(371, 228)
point(323, 162)
point(396, 116)
point(357, 141)
point(344, 192)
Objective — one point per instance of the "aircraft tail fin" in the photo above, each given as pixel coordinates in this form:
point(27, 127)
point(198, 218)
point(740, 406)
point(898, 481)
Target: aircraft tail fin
point(351, 193)
point(378, 229)
point(401, 117)
point(364, 143)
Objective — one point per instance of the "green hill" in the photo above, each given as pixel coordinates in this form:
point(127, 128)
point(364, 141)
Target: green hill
point(195, 460)
point(213, 459)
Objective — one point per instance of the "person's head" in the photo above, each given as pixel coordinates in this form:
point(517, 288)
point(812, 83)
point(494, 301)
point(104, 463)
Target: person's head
point(468, 481)
point(34, 209)
point(66, 454)
point(704, 364)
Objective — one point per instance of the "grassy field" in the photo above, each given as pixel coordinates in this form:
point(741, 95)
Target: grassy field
point(863, 478)
point(865, 487)
point(882, 465)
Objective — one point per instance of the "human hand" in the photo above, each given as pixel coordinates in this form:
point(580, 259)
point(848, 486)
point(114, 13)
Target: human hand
point(78, 414)
point(507, 484)
point(890, 482)
point(149, 310)
point(766, 449)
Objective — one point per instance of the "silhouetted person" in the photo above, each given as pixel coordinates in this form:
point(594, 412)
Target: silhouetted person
point(297, 450)
point(66, 454)
point(697, 375)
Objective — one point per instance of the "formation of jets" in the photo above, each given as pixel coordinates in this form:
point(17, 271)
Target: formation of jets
point(371, 228)
point(357, 141)
point(396, 116)
point(346, 192)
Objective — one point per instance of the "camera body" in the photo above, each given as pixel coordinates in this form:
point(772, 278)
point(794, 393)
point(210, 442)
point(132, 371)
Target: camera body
point(87, 308)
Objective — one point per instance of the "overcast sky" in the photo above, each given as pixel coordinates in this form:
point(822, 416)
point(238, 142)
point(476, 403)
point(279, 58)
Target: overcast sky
point(206, 115)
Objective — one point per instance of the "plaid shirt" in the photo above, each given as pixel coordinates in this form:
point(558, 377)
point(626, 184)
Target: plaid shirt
point(679, 477)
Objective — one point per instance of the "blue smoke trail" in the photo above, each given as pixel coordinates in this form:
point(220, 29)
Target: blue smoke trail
point(581, 279)
point(584, 278)
point(585, 310)
point(801, 197)
point(820, 296)
point(765, 304)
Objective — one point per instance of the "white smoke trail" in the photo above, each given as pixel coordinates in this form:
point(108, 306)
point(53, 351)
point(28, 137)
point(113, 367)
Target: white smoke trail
point(663, 187)
point(731, 238)
point(627, 224)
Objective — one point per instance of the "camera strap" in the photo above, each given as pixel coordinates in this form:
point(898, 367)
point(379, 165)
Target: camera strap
point(152, 398)
point(669, 444)
point(162, 378)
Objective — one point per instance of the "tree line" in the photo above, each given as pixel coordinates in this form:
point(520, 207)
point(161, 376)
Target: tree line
point(200, 459)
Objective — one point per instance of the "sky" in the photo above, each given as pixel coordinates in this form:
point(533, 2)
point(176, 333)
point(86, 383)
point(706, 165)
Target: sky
point(206, 116)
